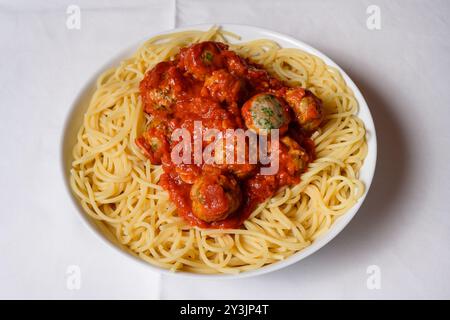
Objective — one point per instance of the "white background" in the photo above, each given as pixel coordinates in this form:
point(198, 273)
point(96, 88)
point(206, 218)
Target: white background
point(403, 70)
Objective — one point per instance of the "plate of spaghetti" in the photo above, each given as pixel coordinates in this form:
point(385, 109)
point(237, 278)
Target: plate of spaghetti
point(219, 151)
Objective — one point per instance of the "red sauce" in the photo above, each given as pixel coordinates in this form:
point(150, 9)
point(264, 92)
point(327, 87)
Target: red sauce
point(207, 82)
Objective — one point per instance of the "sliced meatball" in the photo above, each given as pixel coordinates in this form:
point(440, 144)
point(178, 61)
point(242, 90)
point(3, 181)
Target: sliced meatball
point(215, 196)
point(202, 58)
point(265, 111)
point(306, 106)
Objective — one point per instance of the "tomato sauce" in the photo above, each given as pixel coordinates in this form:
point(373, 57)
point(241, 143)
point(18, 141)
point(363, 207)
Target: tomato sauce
point(207, 82)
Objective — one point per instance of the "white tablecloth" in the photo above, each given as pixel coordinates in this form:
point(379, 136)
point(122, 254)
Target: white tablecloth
point(402, 69)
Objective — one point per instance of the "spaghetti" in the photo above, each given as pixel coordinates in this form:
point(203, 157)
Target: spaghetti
point(118, 186)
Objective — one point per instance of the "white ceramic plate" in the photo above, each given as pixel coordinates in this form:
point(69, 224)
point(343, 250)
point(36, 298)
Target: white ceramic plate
point(247, 33)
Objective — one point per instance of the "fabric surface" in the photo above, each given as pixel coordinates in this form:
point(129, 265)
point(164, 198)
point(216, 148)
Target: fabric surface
point(43, 66)
point(402, 68)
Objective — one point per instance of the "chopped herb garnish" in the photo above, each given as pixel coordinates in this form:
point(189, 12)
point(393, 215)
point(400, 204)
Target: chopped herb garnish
point(154, 144)
point(208, 56)
point(267, 111)
point(265, 123)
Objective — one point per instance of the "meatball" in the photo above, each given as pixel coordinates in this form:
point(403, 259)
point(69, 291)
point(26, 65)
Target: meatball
point(306, 106)
point(295, 157)
point(188, 173)
point(239, 164)
point(224, 87)
point(259, 78)
point(161, 88)
point(154, 145)
point(235, 64)
point(265, 111)
point(202, 58)
point(215, 196)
